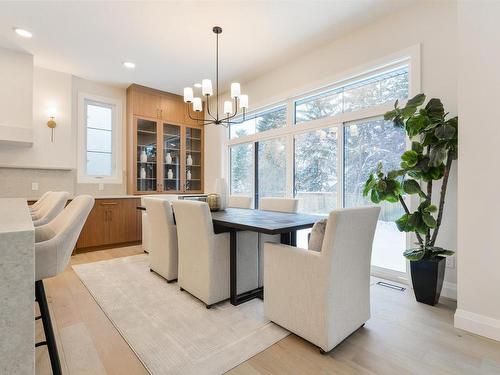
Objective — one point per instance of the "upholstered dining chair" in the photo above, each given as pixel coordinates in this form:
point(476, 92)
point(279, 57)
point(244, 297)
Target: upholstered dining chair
point(54, 243)
point(248, 256)
point(163, 252)
point(238, 201)
point(278, 205)
point(50, 208)
point(36, 206)
point(203, 255)
point(323, 296)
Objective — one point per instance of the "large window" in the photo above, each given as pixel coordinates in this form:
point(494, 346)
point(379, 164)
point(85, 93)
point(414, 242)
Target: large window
point(322, 148)
point(271, 168)
point(259, 122)
point(316, 170)
point(366, 143)
point(99, 140)
point(368, 92)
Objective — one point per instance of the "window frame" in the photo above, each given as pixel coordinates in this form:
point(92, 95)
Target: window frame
point(116, 176)
point(409, 56)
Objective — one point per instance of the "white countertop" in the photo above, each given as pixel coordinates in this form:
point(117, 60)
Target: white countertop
point(14, 216)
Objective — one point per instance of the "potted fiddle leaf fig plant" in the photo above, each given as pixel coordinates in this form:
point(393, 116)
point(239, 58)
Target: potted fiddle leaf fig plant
point(434, 146)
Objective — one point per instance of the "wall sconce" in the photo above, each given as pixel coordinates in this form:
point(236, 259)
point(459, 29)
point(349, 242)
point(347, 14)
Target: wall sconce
point(51, 124)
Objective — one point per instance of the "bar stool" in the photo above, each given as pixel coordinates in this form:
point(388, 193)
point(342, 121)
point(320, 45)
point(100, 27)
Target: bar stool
point(54, 243)
point(50, 208)
point(36, 206)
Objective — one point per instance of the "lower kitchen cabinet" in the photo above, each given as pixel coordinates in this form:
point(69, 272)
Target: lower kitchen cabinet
point(111, 222)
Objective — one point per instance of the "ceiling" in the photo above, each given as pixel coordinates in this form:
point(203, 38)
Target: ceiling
point(171, 43)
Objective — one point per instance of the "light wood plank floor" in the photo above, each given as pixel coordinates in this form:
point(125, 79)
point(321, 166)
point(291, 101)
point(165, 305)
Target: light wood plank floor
point(402, 337)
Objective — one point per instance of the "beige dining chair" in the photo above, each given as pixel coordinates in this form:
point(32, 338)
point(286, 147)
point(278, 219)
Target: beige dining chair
point(323, 296)
point(36, 206)
point(247, 262)
point(279, 205)
point(203, 255)
point(163, 252)
point(54, 243)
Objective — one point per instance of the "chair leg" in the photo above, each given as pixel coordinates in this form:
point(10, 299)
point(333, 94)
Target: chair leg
point(47, 328)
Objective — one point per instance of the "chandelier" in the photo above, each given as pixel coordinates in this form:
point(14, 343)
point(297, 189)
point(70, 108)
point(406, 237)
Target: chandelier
point(231, 108)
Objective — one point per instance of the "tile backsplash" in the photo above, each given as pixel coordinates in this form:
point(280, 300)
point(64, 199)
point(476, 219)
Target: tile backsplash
point(17, 182)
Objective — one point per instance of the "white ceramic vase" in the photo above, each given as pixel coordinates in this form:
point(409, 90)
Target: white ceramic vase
point(188, 175)
point(143, 157)
point(143, 172)
point(221, 189)
point(189, 160)
point(168, 158)
point(170, 174)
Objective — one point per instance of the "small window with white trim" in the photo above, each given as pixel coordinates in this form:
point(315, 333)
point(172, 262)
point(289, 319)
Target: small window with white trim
point(99, 140)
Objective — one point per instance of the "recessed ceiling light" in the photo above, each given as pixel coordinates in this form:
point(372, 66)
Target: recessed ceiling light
point(22, 32)
point(198, 85)
point(129, 65)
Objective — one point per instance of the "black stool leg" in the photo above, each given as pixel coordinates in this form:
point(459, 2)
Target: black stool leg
point(47, 328)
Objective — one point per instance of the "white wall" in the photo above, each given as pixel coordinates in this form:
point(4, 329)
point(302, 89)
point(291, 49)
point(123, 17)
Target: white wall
point(478, 215)
point(50, 90)
point(53, 164)
point(16, 99)
point(432, 24)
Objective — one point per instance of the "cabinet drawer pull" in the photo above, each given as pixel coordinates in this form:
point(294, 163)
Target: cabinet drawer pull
point(109, 204)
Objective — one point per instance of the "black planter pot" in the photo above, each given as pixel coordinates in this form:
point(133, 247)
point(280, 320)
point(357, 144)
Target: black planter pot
point(427, 278)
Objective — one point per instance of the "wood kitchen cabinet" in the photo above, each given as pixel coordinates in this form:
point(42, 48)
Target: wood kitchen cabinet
point(111, 222)
point(164, 146)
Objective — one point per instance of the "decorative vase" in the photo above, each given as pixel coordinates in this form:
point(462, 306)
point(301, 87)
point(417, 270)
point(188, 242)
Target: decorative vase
point(221, 190)
point(143, 157)
point(168, 158)
point(213, 201)
point(189, 160)
point(188, 175)
point(170, 174)
point(143, 172)
point(427, 277)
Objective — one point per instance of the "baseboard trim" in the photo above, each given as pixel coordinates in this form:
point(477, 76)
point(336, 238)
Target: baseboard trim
point(449, 290)
point(478, 324)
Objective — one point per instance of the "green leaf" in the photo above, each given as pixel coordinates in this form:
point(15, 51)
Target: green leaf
point(435, 109)
point(417, 147)
point(381, 186)
point(412, 187)
point(416, 101)
point(430, 209)
point(403, 225)
point(410, 157)
point(396, 173)
point(429, 220)
point(375, 198)
point(415, 124)
point(391, 115)
point(437, 156)
point(445, 132)
point(414, 254)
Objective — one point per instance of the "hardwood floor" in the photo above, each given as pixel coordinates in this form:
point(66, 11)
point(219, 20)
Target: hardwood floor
point(402, 337)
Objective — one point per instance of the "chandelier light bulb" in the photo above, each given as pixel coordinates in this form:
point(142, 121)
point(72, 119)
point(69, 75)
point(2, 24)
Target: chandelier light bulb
point(228, 107)
point(235, 90)
point(197, 107)
point(206, 87)
point(188, 94)
point(243, 101)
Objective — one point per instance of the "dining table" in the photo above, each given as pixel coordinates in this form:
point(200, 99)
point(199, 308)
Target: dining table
point(232, 220)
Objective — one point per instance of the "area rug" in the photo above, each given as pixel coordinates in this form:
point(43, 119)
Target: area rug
point(170, 331)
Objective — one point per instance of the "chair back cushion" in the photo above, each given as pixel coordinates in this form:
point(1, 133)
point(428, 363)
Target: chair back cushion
point(317, 235)
point(162, 237)
point(51, 207)
point(240, 201)
point(279, 204)
point(55, 241)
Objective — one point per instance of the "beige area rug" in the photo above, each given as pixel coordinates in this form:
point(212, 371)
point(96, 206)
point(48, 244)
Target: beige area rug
point(170, 331)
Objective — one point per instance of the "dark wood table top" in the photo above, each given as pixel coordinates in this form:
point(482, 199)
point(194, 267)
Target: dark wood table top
point(268, 222)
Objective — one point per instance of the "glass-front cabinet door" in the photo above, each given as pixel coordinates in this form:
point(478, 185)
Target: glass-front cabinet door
point(146, 155)
point(171, 162)
point(193, 163)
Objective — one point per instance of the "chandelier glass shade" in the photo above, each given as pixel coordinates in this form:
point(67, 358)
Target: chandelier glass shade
point(236, 107)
